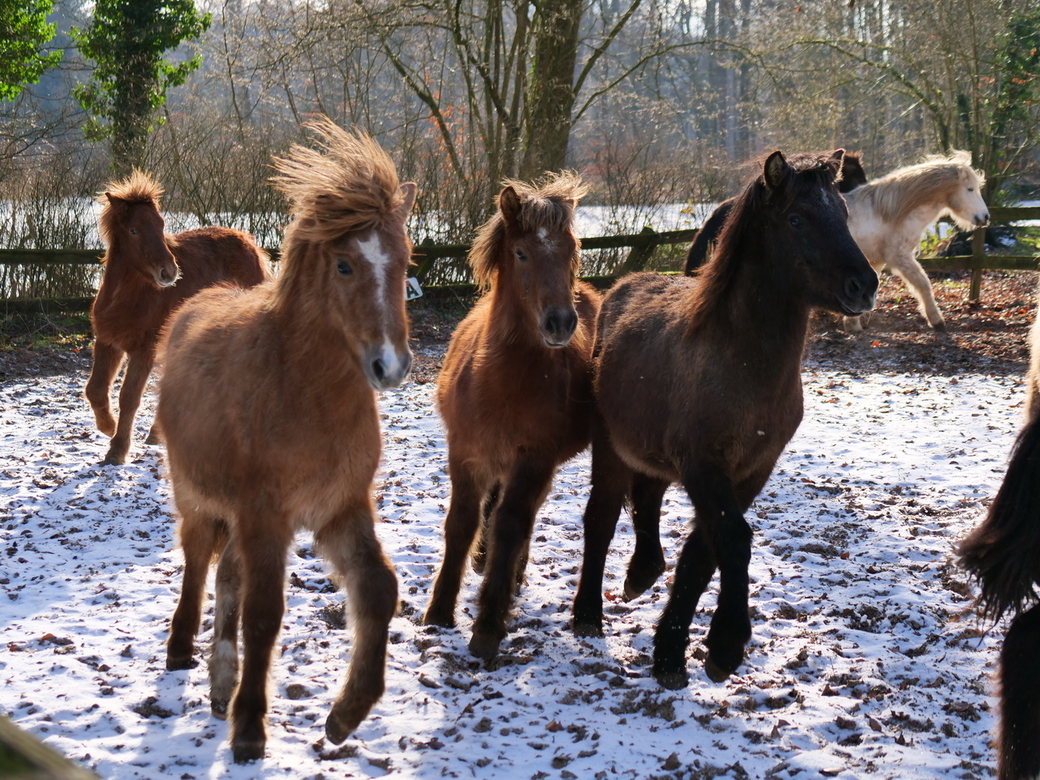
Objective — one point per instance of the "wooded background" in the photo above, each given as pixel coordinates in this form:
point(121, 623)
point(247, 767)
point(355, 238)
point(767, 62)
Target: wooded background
point(653, 101)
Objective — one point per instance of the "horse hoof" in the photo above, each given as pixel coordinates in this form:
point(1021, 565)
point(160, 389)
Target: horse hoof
point(637, 586)
point(336, 730)
point(484, 646)
point(174, 664)
point(435, 617)
point(715, 672)
point(114, 458)
point(247, 751)
point(587, 629)
point(673, 681)
point(218, 708)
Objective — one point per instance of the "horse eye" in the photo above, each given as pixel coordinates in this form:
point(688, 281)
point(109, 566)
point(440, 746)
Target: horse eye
point(521, 256)
point(795, 220)
point(133, 231)
point(344, 268)
point(971, 189)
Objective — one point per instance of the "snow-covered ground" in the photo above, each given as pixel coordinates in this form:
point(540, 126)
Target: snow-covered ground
point(864, 661)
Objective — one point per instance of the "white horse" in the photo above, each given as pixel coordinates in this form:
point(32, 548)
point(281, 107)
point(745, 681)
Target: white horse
point(888, 215)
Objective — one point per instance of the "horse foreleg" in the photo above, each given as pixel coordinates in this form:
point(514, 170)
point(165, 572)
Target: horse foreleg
point(201, 535)
point(138, 368)
point(223, 657)
point(911, 272)
point(693, 572)
point(647, 562)
point(103, 369)
point(611, 480)
point(1019, 740)
point(262, 553)
point(511, 527)
point(460, 526)
point(350, 544)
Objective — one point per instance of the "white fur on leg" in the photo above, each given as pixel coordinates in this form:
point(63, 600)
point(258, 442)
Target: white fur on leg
point(223, 676)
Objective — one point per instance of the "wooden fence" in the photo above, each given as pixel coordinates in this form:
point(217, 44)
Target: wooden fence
point(642, 247)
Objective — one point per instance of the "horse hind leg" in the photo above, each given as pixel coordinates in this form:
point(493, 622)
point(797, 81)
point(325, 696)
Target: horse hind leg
point(223, 658)
point(478, 555)
point(647, 562)
point(1019, 738)
point(201, 536)
point(460, 527)
point(103, 369)
point(511, 528)
point(350, 544)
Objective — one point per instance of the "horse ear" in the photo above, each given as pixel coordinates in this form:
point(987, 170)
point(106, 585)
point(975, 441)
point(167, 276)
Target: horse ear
point(509, 203)
point(837, 163)
point(408, 192)
point(776, 169)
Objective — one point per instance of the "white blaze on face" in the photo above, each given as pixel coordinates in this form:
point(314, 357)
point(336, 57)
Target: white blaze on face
point(373, 252)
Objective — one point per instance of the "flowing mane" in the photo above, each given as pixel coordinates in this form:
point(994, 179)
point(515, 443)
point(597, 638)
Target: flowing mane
point(549, 205)
point(138, 187)
point(718, 275)
point(898, 193)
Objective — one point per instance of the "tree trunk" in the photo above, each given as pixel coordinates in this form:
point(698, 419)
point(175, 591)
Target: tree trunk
point(551, 86)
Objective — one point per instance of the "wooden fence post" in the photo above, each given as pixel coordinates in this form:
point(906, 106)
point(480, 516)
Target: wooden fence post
point(642, 250)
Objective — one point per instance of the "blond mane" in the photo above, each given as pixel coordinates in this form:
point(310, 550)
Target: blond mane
point(347, 184)
point(895, 195)
point(549, 205)
point(137, 188)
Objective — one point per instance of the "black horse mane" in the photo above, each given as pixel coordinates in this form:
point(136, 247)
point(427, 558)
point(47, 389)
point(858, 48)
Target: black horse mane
point(743, 229)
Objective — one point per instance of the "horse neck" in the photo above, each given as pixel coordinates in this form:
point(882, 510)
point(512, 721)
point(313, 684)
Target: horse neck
point(762, 312)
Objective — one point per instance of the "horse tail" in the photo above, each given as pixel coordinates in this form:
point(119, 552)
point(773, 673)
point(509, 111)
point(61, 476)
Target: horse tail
point(1019, 741)
point(697, 254)
point(1003, 552)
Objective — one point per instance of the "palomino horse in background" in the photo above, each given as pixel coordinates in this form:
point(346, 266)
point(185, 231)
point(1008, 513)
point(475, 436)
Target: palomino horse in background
point(852, 176)
point(515, 393)
point(268, 409)
point(1003, 553)
point(698, 381)
point(147, 275)
point(888, 215)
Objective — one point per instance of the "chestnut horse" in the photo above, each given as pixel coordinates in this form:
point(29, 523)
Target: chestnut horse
point(888, 215)
point(515, 393)
point(1003, 554)
point(268, 409)
point(852, 176)
point(698, 381)
point(147, 275)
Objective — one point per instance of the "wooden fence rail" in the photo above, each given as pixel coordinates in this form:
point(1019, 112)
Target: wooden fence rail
point(641, 249)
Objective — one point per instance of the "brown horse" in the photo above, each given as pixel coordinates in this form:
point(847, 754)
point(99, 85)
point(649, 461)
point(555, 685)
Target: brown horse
point(268, 408)
point(852, 176)
point(147, 275)
point(698, 381)
point(515, 393)
point(1003, 554)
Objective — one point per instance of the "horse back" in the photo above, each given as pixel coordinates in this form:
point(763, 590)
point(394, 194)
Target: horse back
point(499, 392)
point(212, 254)
point(669, 396)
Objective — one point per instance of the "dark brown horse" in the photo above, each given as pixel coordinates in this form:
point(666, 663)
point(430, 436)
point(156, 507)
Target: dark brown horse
point(1003, 554)
point(852, 176)
point(698, 381)
point(147, 275)
point(515, 393)
point(268, 409)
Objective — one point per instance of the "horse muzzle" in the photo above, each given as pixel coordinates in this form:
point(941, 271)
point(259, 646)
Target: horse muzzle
point(858, 295)
point(558, 327)
point(385, 366)
point(166, 275)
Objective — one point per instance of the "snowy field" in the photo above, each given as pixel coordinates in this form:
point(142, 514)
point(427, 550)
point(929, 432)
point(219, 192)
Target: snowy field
point(863, 664)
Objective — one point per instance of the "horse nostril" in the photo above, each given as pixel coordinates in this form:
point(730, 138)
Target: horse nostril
point(379, 369)
point(853, 287)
